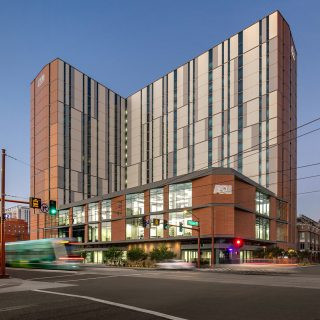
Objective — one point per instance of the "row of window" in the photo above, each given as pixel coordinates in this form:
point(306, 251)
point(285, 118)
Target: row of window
point(180, 196)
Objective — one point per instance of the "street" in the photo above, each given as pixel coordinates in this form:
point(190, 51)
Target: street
point(114, 293)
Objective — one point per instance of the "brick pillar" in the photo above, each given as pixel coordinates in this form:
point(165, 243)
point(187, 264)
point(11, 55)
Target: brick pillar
point(86, 228)
point(70, 222)
point(99, 219)
point(147, 213)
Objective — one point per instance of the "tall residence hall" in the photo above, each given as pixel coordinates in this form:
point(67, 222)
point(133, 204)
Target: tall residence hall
point(213, 140)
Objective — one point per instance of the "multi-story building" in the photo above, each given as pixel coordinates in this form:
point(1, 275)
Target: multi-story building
point(233, 106)
point(308, 235)
point(20, 212)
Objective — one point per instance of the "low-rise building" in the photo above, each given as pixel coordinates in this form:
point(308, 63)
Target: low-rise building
point(308, 235)
point(16, 230)
point(227, 204)
point(20, 212)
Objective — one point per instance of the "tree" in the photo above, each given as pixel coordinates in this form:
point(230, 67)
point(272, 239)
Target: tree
point(161, 253)
point(113, 255)
point(136, 254)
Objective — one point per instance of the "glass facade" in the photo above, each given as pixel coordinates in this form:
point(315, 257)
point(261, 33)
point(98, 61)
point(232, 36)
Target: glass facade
point(175, 218)
point(134, 229)
point(262, 203)
point(262, 228)
point(63, 232)
point(93, 212)
point(63, 217)
point(106, 210)
point(180, 195)
point(156, 200)
point(78, 215)
point(93, 230)
point(156, 231)
point(135, 204)
point(106, 231)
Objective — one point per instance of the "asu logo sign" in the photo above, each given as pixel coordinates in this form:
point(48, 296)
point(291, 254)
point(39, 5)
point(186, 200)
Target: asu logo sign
point(35, 203)
point(222, 189)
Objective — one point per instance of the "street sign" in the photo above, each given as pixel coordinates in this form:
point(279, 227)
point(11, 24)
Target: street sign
point(35, 203)
point(193, 223)
point(44, 208)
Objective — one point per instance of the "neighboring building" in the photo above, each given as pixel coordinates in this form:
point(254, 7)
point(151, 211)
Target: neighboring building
point(233, 106)
point(308, 235)
point(16, 230)
point(20, 212)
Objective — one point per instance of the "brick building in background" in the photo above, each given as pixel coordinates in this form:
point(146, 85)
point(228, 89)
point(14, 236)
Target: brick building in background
point(231, 108)
point(16, 230)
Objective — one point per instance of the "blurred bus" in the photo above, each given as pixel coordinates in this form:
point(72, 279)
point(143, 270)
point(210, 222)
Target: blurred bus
point(45, 254)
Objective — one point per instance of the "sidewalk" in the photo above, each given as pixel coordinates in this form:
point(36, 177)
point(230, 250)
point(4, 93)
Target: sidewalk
point(10, 282)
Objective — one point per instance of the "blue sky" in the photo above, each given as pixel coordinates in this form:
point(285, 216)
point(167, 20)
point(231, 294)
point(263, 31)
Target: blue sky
point(127, 44)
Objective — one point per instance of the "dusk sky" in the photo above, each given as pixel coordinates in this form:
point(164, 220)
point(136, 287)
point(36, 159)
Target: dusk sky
point(127, 44)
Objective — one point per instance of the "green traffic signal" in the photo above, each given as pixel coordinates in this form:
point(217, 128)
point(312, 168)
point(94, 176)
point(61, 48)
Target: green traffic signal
point(52, 207)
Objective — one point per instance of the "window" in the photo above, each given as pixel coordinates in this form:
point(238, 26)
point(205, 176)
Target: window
point(175, 218)
point(156, 200)
point(93, 232)
point(63, 217)
point(106, 210)
point(302, 237)
point(262, 228)
point(93, 212)
point(134, 229)
point(106, 231)
point(78, 215)
point(180, 195)
point(135, 204)
point(281, 232)
point(262, 203)
point(156, 231)
point(281, 210)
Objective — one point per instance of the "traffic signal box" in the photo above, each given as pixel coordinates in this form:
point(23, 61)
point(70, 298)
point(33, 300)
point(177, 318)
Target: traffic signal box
point(52, 207)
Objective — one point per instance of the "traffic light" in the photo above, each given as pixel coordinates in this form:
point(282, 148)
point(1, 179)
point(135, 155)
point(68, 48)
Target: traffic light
point(53, 207)
point(180, 226)
point(156, 222)
point(165, 225)
point(238, 243)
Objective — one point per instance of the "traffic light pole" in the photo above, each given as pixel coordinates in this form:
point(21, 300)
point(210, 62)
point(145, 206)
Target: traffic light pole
point(2, 236)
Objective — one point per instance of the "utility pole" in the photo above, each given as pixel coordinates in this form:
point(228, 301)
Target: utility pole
point(2, 236)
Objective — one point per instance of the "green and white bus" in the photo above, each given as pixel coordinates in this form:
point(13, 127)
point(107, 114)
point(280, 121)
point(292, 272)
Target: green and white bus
point(58, 253)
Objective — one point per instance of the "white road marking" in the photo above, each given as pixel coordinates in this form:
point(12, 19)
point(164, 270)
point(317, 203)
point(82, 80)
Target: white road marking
point(115, 304)
point(17, 307)
point(103, 277)
point(66, 275)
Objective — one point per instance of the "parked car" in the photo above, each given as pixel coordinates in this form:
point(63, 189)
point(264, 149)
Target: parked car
point(175, 264)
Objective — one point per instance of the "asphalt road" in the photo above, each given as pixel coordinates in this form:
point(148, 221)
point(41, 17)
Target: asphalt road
point(143, 294)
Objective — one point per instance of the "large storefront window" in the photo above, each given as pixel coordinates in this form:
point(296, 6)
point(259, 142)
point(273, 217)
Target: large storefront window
point(134, 229)
point(135, 204)
point(156, 231)
point(180, 195)
point(93, 212)
point(63, 217)
point(78, 233)
point(78, 215)
point(93, 232)
point(63, 232)
point(156, 200)
point(176, 218)
point(106, 231)
point(262, 203)
point(262, 228)
point(106, 210)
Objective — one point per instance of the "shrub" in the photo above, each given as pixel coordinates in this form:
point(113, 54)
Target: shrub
point(161, 253)
point(113, 255)
point(136, 254)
